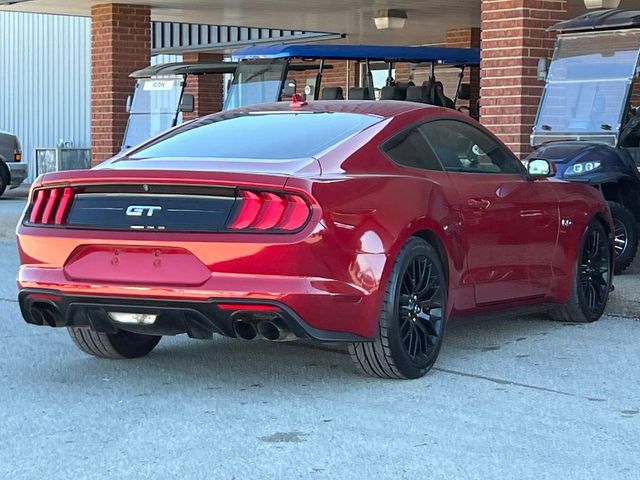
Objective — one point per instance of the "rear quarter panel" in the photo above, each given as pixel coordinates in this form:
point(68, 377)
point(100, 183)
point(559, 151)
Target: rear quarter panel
point(374, 215)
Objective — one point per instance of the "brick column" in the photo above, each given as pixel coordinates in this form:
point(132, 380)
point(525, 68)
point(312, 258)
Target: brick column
point(468, 38)
point(120, 44)
point(207, 90)
point(514, 37)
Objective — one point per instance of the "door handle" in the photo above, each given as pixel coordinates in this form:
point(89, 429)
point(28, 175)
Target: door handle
point(479, 203)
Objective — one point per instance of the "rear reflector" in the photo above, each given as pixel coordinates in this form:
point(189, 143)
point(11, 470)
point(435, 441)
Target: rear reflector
point(51, 206)
point(269, 211)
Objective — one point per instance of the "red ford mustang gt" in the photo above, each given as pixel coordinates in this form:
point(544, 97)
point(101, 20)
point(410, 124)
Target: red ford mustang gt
point(369, 223)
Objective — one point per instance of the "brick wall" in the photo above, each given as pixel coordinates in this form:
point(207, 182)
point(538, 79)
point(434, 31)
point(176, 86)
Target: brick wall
point(207, 90)
point(468, 38)
point(120, 44)
point(514, 37)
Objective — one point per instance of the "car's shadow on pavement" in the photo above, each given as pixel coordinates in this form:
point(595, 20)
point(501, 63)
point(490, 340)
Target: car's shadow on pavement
point(224, 363)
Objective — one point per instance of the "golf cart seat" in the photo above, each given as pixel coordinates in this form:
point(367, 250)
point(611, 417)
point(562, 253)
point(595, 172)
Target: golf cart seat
point(440, 98)
point(418, 94)
point(359, 94)
point(332, 93)
point(405, 85)
point(393, 93)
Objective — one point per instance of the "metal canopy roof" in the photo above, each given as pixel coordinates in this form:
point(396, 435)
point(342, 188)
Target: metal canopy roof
point(180, 68)
point(176, 38)
point(467, 56)
point(600, 20)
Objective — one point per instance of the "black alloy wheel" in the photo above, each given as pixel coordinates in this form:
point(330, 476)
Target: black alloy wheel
point(594, 269)
point(420, 308)
point(592, 282)
point(620, 237)
point(625, 235)
point(413, 317)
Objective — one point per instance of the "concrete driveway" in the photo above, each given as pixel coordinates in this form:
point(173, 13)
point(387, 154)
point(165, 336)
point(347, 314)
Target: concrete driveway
point(517, 398)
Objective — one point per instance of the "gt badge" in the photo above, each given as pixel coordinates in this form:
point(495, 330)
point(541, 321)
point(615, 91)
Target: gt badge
point(566, 222)
point(140, 210)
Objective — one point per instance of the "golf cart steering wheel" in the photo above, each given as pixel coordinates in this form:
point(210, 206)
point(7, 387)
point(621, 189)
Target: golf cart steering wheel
point(473, 155)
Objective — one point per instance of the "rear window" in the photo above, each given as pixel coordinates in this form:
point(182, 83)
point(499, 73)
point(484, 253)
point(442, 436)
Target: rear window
point(261, 135)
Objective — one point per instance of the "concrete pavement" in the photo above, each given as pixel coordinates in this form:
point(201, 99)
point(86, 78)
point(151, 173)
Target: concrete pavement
point(516, 398)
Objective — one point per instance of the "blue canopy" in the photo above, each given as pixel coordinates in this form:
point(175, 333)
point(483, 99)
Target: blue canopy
point(461, 56)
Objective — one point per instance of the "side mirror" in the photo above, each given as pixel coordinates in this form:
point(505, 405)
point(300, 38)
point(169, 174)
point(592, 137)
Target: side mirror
point(129, 100)
point(541, 168)
point(464, 92)
point(187, 104)
point(289, 88)
point(542, 69)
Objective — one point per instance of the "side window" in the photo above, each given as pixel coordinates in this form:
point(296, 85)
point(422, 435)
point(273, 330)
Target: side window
point(464, 148)
point(410, 149)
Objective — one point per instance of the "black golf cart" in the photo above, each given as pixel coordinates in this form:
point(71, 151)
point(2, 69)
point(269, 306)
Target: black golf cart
point(588, 122)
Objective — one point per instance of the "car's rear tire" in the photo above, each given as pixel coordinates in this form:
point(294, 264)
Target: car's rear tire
point(112, 345)
point(412, 320)
point(591, 280)
point(625, 235)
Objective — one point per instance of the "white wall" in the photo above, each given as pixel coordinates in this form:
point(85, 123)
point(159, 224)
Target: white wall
point(45, 79)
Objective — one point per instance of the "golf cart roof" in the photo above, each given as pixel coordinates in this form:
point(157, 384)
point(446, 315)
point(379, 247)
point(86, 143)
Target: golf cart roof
point(613, 19)
point(466, 56)
point(181, 68)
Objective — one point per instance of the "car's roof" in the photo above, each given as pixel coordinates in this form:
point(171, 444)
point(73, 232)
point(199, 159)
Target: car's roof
point(380, 108)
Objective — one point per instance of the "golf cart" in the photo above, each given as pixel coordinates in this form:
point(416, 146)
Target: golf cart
point(159, 97)
point(588, 122)
point(159, 100)
point(263, 72)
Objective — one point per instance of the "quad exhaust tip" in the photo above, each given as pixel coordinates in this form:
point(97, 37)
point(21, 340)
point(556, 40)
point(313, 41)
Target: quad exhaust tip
point(273, 330)
point(44, 313)
point(245, 329)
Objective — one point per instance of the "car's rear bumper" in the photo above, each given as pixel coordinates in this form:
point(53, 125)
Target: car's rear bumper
point(197, 318)
point(19, 172)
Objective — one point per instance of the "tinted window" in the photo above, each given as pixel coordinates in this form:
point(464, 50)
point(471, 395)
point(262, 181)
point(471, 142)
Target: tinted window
point(268, 136)
point(464, 148)
point(411, 149)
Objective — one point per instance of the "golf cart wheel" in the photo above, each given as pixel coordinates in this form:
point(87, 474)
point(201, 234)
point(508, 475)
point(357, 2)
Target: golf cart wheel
point(412, 320)
point(592, 278)
point(625, 235)
point(112, 345)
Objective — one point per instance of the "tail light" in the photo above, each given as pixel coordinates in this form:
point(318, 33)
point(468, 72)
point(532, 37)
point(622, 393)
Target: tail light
point(268, 211)
point(51, 206)
point(17, 155)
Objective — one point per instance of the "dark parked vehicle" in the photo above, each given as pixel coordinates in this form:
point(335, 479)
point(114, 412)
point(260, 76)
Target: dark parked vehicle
point(13, 170)
point(588, 122)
